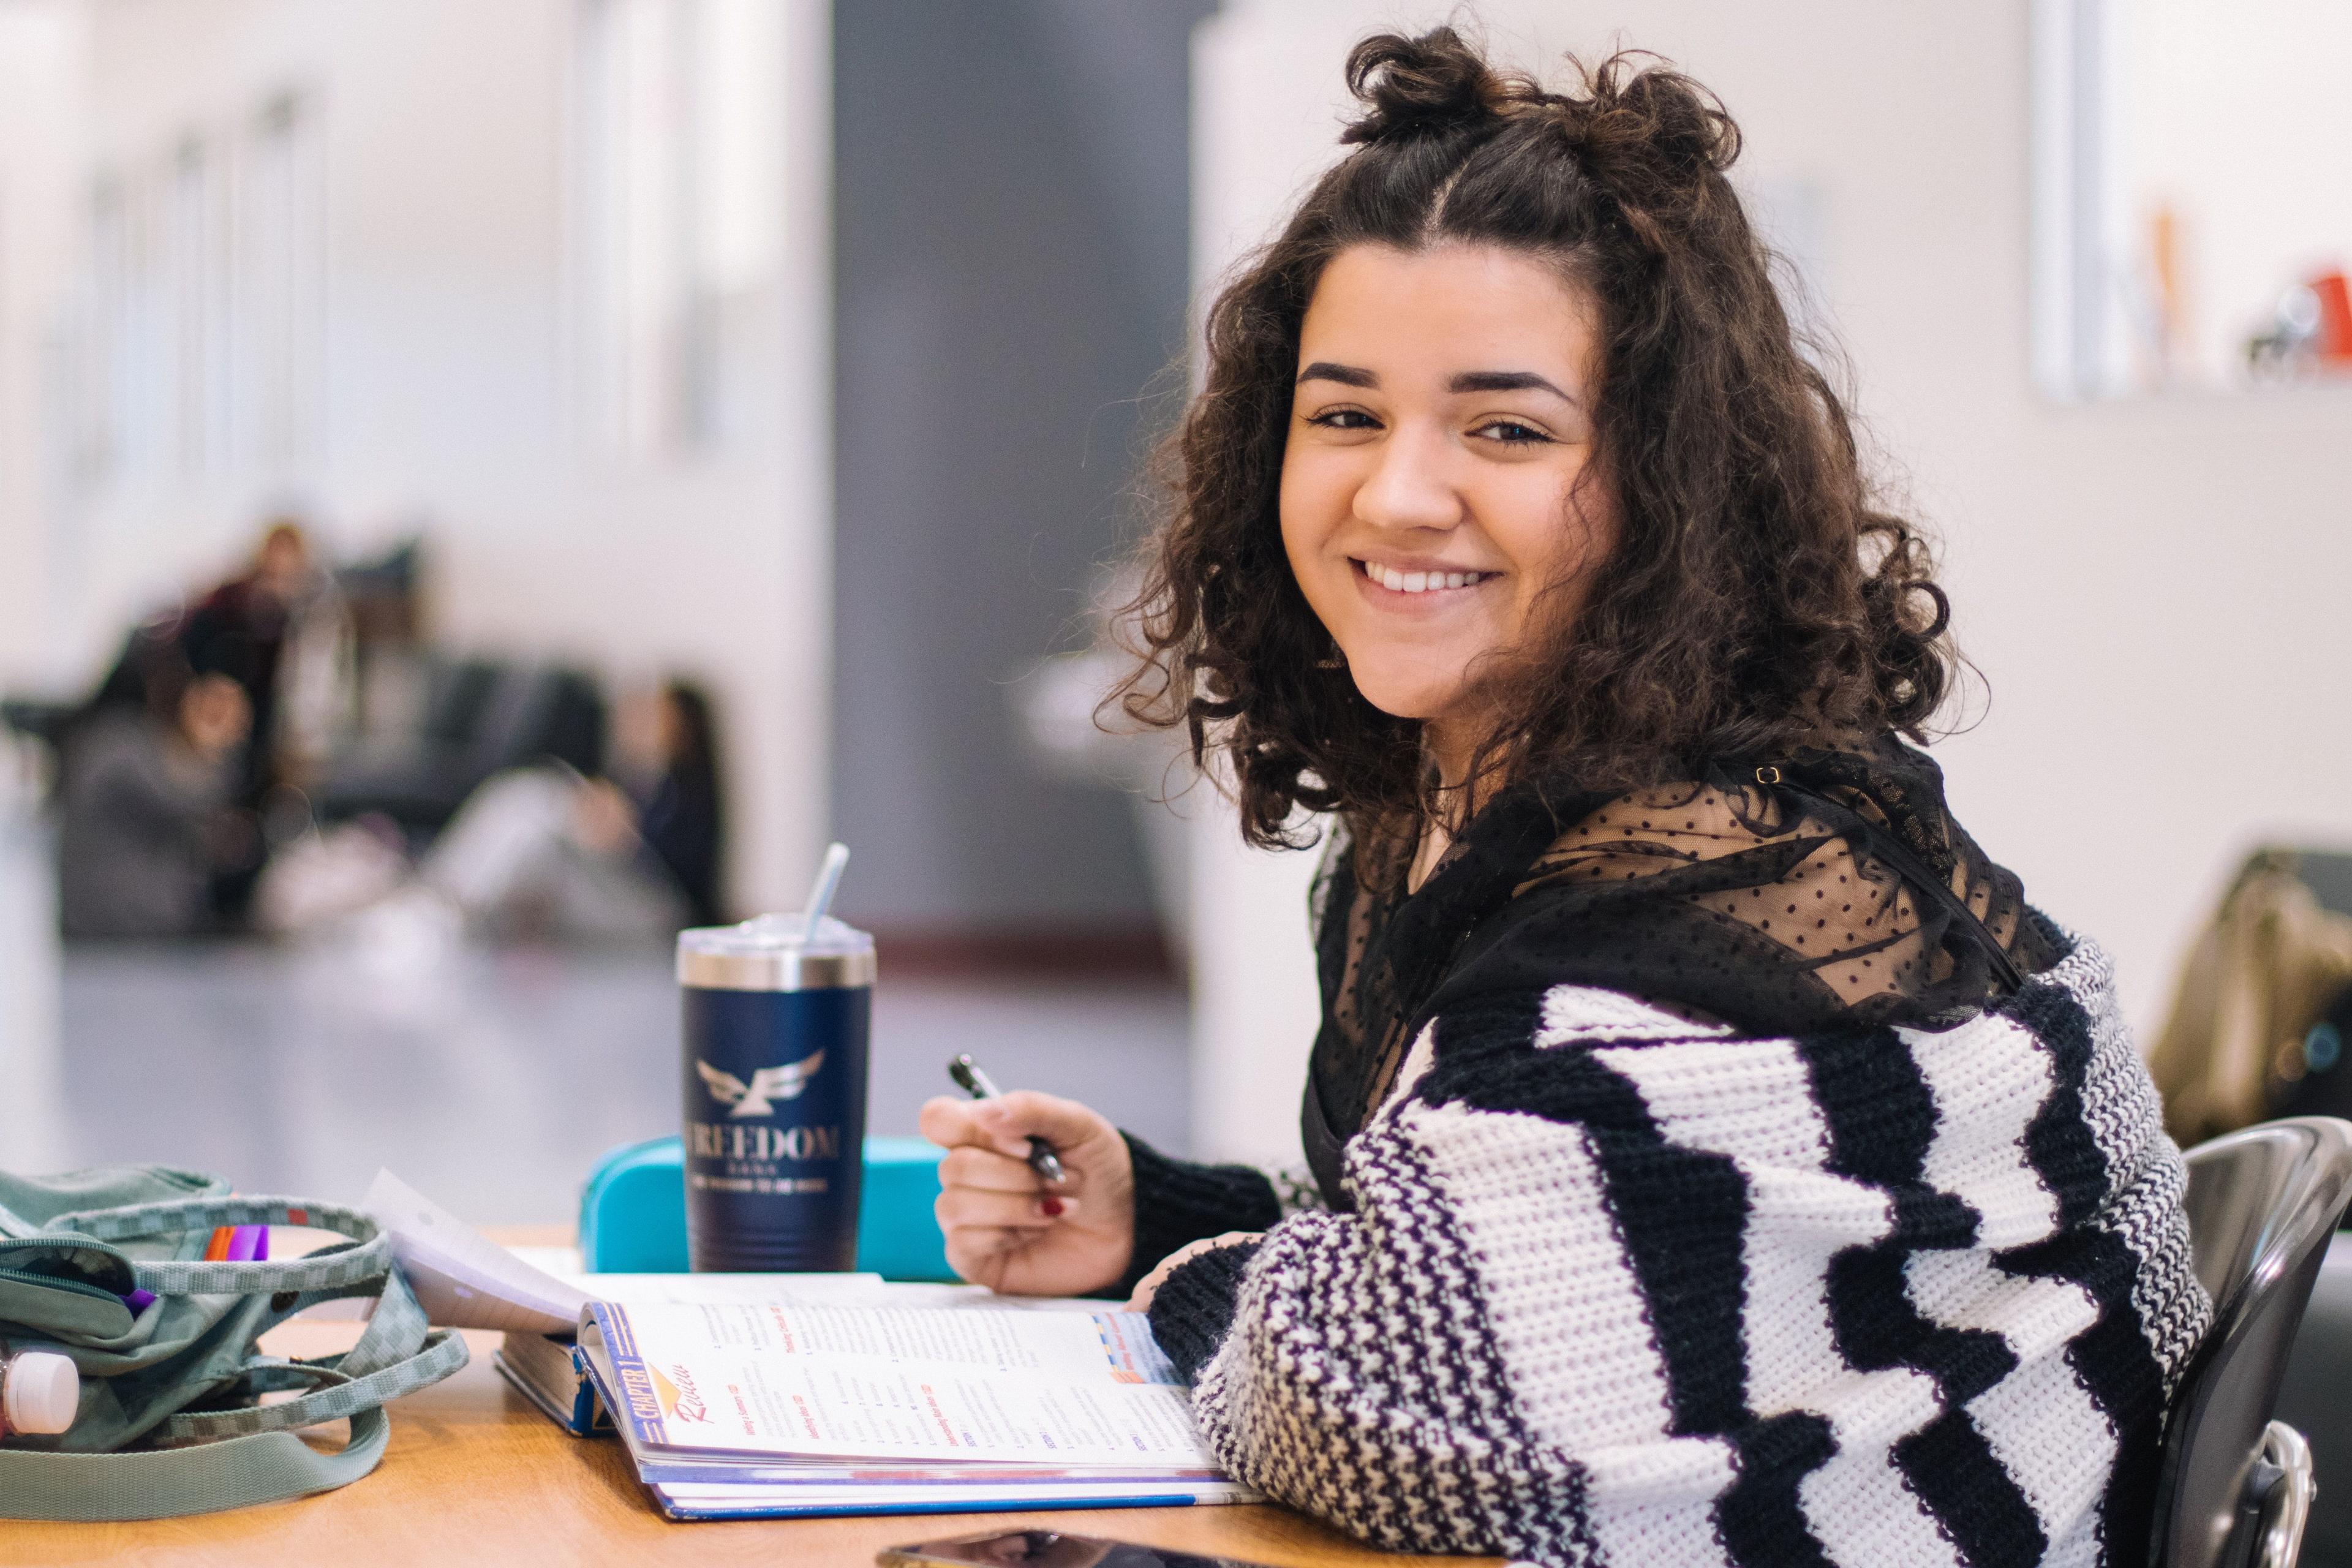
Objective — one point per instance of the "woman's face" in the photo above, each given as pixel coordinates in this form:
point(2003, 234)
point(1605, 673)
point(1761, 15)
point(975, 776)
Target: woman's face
point(1441, 421)
point(643, 733)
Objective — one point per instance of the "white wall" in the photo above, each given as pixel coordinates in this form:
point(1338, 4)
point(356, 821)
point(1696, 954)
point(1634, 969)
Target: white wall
point(2151, 588)
point(445, 397)
point(32, 1069)
point(41, 81)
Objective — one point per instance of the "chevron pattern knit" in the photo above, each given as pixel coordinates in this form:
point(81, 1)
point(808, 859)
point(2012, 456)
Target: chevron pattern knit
point(1619, 1288)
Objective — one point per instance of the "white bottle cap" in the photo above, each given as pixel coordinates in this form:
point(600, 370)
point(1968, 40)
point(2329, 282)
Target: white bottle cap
point(41, 1394)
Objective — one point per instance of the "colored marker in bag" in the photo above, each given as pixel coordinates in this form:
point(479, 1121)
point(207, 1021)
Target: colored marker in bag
point(973, 1080)
point(238, 1244)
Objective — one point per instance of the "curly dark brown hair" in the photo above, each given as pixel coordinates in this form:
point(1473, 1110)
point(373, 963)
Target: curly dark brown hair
point(1759, 600)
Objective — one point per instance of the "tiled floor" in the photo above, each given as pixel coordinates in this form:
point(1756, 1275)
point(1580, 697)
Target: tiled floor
point(492, 1079)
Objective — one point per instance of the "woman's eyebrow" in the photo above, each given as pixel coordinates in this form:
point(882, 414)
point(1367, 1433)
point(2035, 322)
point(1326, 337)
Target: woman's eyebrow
point(1505, 381)
point(1345, 374)
point(1467, 381)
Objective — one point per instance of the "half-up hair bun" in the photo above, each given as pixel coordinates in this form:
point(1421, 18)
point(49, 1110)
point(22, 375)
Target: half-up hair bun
point(1433, 83)
point(1637, 110)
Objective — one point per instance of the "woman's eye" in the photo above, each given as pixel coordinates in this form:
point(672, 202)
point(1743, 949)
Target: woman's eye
point(1511, 433)
point(1345, 419)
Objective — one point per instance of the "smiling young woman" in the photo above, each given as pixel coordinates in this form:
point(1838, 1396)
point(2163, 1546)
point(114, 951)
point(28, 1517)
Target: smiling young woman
point(1711, 1157)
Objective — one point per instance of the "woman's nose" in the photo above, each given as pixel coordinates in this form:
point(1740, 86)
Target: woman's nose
point(1411, 486)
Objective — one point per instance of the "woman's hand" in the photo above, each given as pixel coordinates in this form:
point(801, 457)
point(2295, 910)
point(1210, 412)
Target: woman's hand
point(1007, 1229)
point(1148, 1288)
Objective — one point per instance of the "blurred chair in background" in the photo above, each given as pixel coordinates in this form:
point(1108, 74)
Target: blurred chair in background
point(479, 718)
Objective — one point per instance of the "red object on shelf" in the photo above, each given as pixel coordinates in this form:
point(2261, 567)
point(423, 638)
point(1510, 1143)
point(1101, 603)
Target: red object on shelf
point(2335, 343)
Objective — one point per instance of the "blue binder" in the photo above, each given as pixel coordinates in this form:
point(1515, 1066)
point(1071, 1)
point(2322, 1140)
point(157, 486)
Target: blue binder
point(632, 1211)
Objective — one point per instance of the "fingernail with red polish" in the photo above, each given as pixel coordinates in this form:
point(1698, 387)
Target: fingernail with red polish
point(1052, 1206)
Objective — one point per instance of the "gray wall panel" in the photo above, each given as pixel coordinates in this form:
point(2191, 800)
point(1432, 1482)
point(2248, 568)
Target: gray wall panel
point(1011, 233)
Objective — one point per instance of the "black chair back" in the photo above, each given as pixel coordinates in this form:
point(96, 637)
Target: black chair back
point(2262, 1205)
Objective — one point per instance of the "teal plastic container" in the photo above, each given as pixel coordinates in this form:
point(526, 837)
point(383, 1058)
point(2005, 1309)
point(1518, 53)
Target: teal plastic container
point(632, 1211)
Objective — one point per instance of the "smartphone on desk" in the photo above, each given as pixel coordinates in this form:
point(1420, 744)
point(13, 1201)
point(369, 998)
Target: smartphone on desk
point(1045, 1549)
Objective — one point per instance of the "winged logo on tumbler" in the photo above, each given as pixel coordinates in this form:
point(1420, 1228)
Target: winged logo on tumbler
point(782, 1082)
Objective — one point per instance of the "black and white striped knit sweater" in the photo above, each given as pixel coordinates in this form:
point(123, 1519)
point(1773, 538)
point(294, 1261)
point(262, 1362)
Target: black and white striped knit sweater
point(1619, 1288)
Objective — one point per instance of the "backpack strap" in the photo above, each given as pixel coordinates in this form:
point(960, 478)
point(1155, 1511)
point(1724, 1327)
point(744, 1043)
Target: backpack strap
point(397, 1355)
point(162, 1483)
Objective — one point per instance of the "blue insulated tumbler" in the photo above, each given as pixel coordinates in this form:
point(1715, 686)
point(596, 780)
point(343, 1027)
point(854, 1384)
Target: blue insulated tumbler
point(775, 1029)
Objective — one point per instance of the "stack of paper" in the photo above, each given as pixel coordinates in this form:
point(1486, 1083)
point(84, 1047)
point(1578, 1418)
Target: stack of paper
point(736, 1410)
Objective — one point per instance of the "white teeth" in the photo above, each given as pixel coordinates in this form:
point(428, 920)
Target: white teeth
point(1421, 582)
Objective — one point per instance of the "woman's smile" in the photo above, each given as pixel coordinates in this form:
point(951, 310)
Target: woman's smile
point(1417, 580)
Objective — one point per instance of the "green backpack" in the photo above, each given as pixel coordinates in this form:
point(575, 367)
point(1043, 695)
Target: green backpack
point(179, 1382)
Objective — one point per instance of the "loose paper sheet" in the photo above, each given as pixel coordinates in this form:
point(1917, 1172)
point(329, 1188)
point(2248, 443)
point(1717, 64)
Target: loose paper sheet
point(462, 1278)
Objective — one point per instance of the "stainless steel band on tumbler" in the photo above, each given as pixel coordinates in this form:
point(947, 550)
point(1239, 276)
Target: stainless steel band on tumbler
point(773, 969)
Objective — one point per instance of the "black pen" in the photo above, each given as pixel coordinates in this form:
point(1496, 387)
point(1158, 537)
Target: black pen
point(972, 1080)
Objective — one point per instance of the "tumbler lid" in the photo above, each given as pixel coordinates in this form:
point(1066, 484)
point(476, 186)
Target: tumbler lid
point(775, 952)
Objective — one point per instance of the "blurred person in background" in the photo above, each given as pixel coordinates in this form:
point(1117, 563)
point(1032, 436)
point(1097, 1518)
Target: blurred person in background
point(667, 794)
point(544, 851)
point(147, 799)
point(278, 629)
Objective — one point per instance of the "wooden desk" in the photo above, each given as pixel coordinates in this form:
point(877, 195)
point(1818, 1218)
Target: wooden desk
point(475, 1476)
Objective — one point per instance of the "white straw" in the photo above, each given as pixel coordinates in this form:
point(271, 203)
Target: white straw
point(828, 877)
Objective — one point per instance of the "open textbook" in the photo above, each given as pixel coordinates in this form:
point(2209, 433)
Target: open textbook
point(758, 1395)
point(550, 1371)
point(731, 1408)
